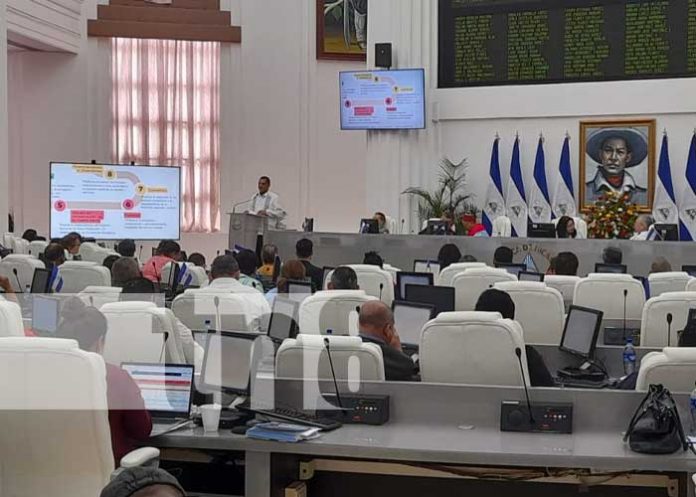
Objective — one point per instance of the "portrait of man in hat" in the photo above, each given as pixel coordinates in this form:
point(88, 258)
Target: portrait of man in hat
point(618, 158)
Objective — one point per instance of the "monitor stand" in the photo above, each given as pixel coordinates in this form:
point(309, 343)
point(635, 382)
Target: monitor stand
point(587, 371)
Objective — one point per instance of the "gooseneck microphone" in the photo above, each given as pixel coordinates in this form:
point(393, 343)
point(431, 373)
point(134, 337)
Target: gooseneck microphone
point(381, 288)
point(625, 299)
point(140, 253)
point(158, 277)
point(518, 353)
point(218, 322)
point(403, 221)
point(19, 283)
point(669, 329)
point(327, 344)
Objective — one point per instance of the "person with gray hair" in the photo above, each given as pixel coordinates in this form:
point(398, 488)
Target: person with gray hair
point(642, 227)
point(343, 278)
point(143, 482)
point(660, 265)
point(124, 269)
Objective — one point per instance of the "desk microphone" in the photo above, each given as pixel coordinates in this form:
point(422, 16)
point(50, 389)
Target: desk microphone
point(217, 254)
point(218, 323)
point(669, 329)
point(403, 221)
point(381, 288)
point(19, 283)
point(157, 277)
point(518, 353)
point(327, 344)
point(140, 253)
point(625, 298)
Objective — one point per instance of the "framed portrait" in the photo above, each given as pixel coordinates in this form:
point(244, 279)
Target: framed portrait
point(342, 29)
point(617, 156)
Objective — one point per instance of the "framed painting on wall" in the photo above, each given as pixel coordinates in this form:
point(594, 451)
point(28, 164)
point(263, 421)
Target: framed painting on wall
point(619, 157)
point(342, 29)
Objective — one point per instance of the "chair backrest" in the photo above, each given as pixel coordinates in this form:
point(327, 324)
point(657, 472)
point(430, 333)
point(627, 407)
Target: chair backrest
point(653, 331)
point(11, 324)
point(8, 240)
point(448, 274)
point(139, 332)
point(691, 285)
point(675, 368)
point(97, 296)
point(21, 246)
point(392, 226)
point(668, 282)
point(78, 275)
point(539, 310)
point(391, 270)
point(502, 227)
point(469, 285)
point(91, 252)
point(195, 307)
point(580, 227)
point(36, 248)
point(375, 281)
point(334, 310)
point(353, 360)
point(54, 414)
point(605, 292)
point(192, 275)
point(564, 284)
point(25, 266)
point(473, 348)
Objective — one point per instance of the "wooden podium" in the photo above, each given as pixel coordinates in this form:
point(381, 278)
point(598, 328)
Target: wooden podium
point(245, 228)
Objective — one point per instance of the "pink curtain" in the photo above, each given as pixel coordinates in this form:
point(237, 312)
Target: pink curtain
point(166, 111)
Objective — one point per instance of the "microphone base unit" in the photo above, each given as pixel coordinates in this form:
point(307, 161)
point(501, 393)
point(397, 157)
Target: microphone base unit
point(554, 418)
point(619, 336)
point(358, 409)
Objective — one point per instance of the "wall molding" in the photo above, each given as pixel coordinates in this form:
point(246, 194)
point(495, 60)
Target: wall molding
point(47, 24)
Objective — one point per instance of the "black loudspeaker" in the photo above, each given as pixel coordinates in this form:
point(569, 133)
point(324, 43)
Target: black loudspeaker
point(383, 55)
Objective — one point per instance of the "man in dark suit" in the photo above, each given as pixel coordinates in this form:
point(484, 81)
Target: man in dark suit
point(377, 326)
point(304, 249)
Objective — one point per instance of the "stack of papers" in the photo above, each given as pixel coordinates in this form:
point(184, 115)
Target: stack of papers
point(282, 432)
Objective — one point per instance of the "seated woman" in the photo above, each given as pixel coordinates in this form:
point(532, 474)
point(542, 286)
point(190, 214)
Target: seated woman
point(292, 270)
point(130, 423)
point(566, 228)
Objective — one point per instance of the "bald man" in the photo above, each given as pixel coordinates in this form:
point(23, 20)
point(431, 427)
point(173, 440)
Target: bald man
point(377, 326)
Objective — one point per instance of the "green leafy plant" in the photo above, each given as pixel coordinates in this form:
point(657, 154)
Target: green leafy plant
point(448, 196)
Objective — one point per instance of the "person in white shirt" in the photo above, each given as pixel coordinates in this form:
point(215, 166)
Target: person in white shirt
point(642, 227)
point(267, 204)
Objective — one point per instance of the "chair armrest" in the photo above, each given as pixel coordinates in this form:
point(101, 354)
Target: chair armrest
point(145, 456)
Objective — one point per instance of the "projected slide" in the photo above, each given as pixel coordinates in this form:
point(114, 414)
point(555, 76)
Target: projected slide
point(383, 99)
point(110, 202)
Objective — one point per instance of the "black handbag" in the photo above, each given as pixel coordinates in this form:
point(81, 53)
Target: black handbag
point(656, 427)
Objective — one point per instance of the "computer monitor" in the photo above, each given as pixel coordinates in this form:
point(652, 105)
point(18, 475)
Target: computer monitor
point(689, 269)
point(283, 322)
point(167, 389)
point(404, 278)
point(581, 330)
point(513, 269)
point(664, 233)
point(611, 268)
point(228, 362)
point(45, 314)
point(426, 266)
point(527, 276)
point(437, 227)
point(369, 226)
point(440, 297)
point(541, 230)
point(41, 280)
point(299, 290)
point(409, 319)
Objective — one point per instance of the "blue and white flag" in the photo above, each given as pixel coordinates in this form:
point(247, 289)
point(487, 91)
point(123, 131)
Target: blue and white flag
point(687, 206)
point(665, 206)
point(564, 198)
point(515, 200)
point(495, 202)
point(539, 200)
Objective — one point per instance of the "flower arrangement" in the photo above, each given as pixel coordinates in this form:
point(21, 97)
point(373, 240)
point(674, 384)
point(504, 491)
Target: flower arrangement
point(612, 216)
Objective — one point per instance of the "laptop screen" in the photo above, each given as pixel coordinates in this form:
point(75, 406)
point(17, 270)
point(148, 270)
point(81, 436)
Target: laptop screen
point(403, 279)
point(39, 282)
point(425, 266)
point(165, 388)
point(283, 319)
point(45, 314)
point(409, 320)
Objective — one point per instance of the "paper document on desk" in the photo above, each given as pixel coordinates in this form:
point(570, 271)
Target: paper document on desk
point(282, 432)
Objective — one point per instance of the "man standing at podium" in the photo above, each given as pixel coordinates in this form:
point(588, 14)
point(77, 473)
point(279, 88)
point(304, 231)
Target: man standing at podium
point(267, 204)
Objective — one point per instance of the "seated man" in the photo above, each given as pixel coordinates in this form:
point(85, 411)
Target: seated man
point(304, 249)
point(566, 264)
point(373, 259)
point(642, 227)
point(612, 255)
point(247, 268)
point(124, 270)
point(143, 482)
point(126, 248)
point(343, 278)
point(502, 255)
point(660, 265)
point(377, 326)
point(449, 254)
point(501, 302)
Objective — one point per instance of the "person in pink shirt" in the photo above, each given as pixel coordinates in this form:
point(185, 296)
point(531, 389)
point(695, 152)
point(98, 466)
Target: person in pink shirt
point(168, 251)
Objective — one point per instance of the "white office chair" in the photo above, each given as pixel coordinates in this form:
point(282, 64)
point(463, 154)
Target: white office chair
point(97, 296)
point(675, 368)
point(91, 252)
point(375, 281)
point(36, 248)
point(691, 285)
point(335, 310)
point(653, 331)
point(469, 285)
point(11, 324)
point(502, 227)
point(193, 276)
point(195, 307)
point(564, 284)
point(392, 226)
point(8, 240)
point(78, 275)
point(448, 274)
point(56, 439)
point(391, 270)
point(20, 246)
point(605, 292)
point(472, 348)
point(305, 357)
point(140, 332)
point(25, 266)
point(539, 310)
point(668, 282)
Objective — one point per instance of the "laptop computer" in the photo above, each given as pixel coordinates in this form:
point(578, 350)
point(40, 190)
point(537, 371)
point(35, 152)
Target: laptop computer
point(167, 390)
point(45, 314)
point(283, 323)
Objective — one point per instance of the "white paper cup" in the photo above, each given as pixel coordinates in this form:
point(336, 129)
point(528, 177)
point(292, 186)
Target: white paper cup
point(211, 417)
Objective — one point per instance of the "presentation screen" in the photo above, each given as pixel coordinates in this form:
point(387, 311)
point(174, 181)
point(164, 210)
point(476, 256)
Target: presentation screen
point(111, 202)
point(383, 99)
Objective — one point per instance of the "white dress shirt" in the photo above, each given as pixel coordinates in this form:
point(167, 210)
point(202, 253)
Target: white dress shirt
point(258, 308)
point(270, 203)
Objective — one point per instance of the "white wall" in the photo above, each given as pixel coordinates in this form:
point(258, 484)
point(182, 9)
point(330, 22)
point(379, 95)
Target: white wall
point(4, 167)
point(279, 117)
point(463, 122)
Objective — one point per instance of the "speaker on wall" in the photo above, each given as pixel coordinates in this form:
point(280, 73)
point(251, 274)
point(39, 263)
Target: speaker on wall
point(383, 55)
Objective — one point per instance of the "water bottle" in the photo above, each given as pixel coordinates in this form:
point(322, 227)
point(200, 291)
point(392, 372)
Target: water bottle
point(692, 411)
point(629, 357)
